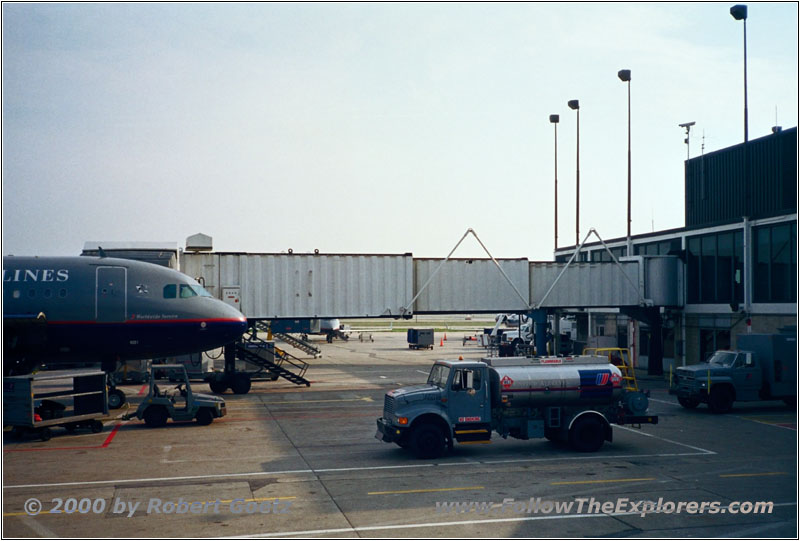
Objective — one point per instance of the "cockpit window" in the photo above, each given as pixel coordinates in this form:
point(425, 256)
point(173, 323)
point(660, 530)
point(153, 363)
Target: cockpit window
point(188, 290)
point(170, 291)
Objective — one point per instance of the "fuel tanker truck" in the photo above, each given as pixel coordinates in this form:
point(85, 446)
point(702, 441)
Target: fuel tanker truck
point(568, 399)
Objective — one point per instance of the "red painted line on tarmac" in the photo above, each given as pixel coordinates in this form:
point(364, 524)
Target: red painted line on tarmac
point(50, 449)
point(793, 426)
point(111, 436)
point(142, 390)
point(76, 448)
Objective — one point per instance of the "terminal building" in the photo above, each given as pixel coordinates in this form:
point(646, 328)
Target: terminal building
point(738, 254)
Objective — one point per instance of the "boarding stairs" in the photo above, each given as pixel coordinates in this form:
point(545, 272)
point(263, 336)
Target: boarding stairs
point(276, 361)
point(294, 341)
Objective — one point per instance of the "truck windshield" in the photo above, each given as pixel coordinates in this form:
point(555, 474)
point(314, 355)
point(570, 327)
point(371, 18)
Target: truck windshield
point(438, 376)
point(724, 358)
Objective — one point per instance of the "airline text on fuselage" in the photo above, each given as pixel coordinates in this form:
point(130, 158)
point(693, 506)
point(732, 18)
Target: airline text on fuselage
point(35, 275)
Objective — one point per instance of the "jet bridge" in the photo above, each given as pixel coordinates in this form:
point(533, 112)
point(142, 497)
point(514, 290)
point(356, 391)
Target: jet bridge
point(283, 286)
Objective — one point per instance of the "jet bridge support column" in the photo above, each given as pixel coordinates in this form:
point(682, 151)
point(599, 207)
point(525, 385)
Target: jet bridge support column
point(539, 318)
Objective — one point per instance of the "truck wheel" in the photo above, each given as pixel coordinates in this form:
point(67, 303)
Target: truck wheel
point(217, 387)
point(204, 416)
point(587, 434)
point(241, 384)
point(45, 434)
point(427, 441)
point(155, 416)
point(688, 403)
point(97, 426)
point(116, 399)
point(720, 400)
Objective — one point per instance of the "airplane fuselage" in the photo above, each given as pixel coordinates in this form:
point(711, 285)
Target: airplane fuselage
point(92, 309)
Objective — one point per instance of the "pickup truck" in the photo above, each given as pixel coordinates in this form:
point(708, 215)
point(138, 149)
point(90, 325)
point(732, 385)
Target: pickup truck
point(763, 367)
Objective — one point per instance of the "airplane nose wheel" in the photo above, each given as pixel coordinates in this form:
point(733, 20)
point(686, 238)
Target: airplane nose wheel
point(116, 399)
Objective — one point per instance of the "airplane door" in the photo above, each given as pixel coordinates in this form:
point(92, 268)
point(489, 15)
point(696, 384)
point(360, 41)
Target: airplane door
point(111, 294)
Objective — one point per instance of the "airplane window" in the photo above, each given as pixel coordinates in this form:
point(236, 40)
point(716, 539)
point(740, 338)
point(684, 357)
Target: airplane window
point(31, 293)
point(201, 291)
point(62, 293)
point(16, 294)
point(187, 291)
point(47, 293)
point(170, 291)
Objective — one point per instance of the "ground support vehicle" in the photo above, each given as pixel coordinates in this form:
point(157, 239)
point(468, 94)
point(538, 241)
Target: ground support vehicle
point(267, 361)
point(764, 367)
point(168, 400)
point(569, 399)
point(420, 338)
point(34, 403)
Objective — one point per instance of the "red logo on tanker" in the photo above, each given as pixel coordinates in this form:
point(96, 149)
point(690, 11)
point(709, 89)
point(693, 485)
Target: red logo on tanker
point(616, 379)
point(506, 382)
point(468, 419)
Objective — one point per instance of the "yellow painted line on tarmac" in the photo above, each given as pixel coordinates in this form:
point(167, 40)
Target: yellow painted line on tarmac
point(422, 490)
point(753, 474)
point(598, 481)
point(299, 402)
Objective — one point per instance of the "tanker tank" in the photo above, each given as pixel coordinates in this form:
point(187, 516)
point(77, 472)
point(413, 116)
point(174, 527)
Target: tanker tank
point(519, 382)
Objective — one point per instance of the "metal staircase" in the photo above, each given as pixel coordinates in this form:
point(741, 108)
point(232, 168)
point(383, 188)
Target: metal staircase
point(279, 363)
point(621, 358)
point(293, 341)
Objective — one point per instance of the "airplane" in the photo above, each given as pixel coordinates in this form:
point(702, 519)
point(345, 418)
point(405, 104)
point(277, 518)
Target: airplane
point(89, 310)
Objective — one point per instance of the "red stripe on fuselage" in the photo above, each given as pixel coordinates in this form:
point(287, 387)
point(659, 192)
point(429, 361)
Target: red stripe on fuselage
point(147, 321)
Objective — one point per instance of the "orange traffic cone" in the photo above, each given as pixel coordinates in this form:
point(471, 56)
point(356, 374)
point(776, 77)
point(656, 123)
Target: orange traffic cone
point(445, 337)
point(441, 342)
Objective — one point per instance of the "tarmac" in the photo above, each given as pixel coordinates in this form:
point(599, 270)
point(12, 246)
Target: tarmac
point(291, 461)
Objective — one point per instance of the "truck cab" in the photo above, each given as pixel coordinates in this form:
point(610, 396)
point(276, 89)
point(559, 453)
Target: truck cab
point(764, 369)
point(419, 417)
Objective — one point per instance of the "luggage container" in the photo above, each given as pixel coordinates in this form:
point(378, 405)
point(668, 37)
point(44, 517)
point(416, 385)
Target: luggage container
point(420, 338)
point(72, 399)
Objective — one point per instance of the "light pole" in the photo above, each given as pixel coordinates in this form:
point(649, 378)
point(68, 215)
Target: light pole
point(575, 106)
point(554, 122)
point(739, 12)
point(625, 77)
point(688, 126)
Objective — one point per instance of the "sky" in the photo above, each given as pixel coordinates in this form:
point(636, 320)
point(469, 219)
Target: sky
point(373, 127)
